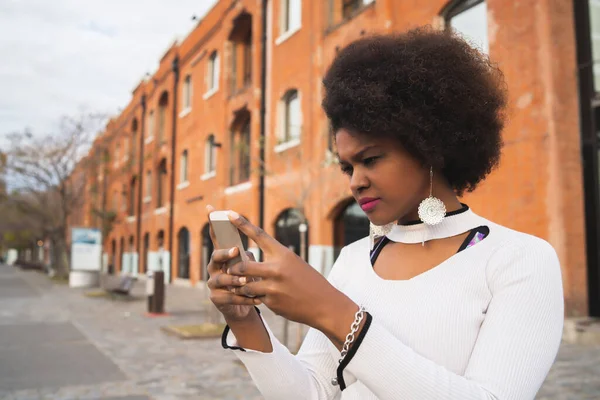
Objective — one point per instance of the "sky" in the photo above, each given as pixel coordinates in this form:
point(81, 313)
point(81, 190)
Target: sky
point(61, 56)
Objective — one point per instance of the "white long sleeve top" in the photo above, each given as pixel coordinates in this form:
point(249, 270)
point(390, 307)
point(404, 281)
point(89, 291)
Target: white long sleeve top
point(484, 324)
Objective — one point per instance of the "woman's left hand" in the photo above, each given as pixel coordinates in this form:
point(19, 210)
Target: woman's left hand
point(288, 285)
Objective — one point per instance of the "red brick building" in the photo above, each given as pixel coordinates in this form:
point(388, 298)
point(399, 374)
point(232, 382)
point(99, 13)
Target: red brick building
point(232, 118)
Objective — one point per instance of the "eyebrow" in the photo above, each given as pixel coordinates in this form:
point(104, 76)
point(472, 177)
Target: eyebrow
point(358, 155)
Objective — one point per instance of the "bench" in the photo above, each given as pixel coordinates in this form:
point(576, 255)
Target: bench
point(118, 284)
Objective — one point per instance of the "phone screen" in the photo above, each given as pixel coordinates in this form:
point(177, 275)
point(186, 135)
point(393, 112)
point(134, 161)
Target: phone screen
point(227, 235)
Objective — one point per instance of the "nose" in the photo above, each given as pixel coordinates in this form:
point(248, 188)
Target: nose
point(358, 181)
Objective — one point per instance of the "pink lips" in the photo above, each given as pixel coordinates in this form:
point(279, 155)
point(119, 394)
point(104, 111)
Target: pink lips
point(368, 206)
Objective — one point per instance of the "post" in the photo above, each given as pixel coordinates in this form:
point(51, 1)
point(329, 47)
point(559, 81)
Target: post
point(302, 228)
point(150, 291)
point(159, 292)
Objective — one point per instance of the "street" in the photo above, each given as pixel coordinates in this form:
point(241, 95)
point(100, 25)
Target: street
point(56, 343)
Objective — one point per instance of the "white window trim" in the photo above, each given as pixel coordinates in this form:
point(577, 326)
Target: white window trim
point(187, 90)
point(149, 140)
point(285, 36)
point(287, 145)
point(161, 210)
point(131, 218)
point(183, 185)
point(281, 112)
point(210, 93)
point(212, 72)
point(147, 199)
point(238, 188)
point(208, 175)
point(185, 112)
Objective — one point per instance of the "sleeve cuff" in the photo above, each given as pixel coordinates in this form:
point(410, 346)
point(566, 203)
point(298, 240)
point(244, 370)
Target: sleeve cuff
point(229, 341)
point(352, 351)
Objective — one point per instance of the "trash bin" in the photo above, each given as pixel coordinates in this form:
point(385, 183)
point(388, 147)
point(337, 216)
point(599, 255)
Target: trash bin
point(155, 290)
point(150, 290)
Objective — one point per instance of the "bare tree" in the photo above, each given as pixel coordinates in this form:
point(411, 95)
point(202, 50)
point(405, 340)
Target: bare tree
point(50, 173)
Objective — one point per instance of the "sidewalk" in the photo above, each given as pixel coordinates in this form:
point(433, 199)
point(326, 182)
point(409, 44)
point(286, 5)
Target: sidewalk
point(152, 364)
point(146, 363)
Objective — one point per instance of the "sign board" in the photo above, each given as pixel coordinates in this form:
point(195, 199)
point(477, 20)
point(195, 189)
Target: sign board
point(86, 249)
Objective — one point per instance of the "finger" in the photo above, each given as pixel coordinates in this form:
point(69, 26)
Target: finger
point(258, 235)
point(251, 269)
point(225, 298)
point(219, 258)
point(220, 281)
point(211, 232)
point(252, 289)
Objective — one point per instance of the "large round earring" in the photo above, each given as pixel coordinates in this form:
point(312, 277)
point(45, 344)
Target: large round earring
point(432, 210)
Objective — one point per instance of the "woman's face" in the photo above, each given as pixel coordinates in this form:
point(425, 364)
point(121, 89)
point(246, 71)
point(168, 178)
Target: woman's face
point(385, 180)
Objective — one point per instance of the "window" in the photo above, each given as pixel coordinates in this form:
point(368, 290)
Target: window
point(162, 116)
point(291, 15)
point(241, 52)
point(240, 156)
point(213, 72)
point(150, 126)
point(161, 182)
point(149, 184)
point(349, 7)
point(125, 149)
point(210, 155)
point(134, 128)
point(187, 92)
point(133, 145)
point(247, 46)
point(469, 18)
point(132, 197)
point(291, 118)
point(183, 173)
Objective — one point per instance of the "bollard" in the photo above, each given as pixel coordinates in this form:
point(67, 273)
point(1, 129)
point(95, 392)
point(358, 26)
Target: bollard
point(158, 296)
point(150, 291)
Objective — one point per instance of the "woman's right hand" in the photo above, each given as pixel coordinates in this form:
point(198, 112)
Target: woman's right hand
point(235, 308)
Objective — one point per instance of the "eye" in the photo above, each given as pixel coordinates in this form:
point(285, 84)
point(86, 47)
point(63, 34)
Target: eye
point(370, 161)
point(346, 169)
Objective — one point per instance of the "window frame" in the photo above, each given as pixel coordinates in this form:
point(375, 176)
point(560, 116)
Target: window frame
point(186, 95)
point(184, 167)
point(210, 155)
point(213, 72)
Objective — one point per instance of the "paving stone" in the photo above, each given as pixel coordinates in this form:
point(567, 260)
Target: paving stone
point(161, 367)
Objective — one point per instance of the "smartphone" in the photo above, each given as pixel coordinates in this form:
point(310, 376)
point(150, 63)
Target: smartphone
point(227, 235)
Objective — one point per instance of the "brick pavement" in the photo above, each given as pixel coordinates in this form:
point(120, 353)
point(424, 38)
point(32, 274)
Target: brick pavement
point(158, 366)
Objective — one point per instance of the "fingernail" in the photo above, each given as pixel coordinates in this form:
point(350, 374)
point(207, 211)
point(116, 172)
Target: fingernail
point(231, 251)
point(243, 280)
point(228, 271)
point(233, 215)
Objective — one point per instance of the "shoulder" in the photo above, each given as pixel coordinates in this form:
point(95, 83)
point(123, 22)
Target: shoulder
point(518, 255)
point(349, 262)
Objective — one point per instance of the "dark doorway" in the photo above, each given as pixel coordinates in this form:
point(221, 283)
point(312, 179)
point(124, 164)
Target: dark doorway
point(287, 230)
point(587, 29)
point(351, 225)
point(183, 264)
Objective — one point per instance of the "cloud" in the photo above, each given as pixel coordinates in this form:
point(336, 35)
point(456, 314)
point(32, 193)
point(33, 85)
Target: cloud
point(61, 55)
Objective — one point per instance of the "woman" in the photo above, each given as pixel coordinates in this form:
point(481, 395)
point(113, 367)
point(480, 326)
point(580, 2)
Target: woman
point(446, 304)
